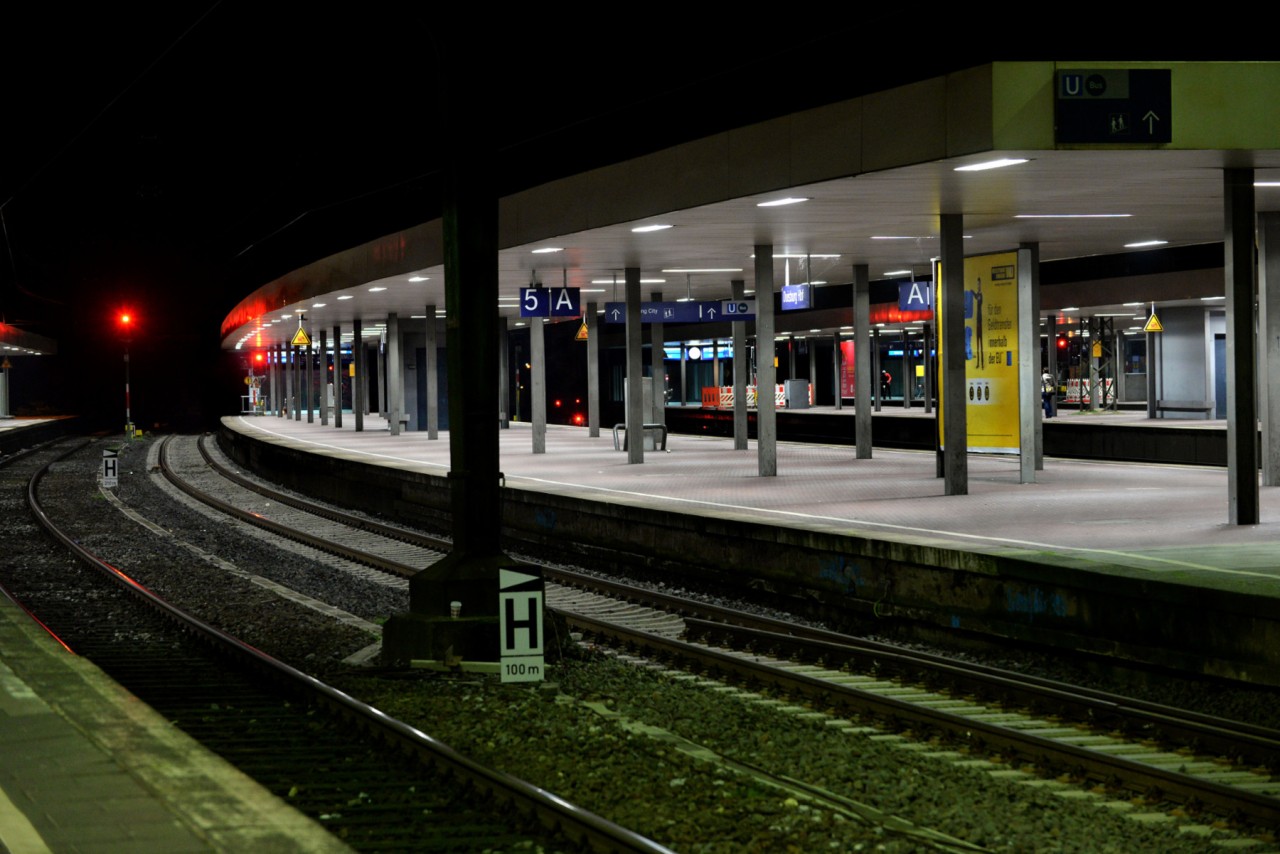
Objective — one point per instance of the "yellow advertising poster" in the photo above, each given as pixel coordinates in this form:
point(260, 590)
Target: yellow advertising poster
point(990, 352)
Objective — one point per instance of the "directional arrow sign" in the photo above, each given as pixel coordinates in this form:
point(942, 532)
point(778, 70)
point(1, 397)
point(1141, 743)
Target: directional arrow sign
point(684, 312)
point(1114, 106)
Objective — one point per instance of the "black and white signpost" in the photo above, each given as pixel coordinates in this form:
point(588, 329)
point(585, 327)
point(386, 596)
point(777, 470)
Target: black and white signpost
point(110, 469)
point(520, 624)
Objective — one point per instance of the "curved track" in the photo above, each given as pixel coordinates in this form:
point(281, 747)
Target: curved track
point(1157, 751)
point(374, 781)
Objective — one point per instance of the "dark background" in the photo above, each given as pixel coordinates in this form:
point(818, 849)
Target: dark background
point(170, 160)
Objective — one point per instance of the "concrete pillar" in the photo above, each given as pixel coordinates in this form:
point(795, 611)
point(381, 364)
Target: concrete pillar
point(1269, 343)
point(360, 381)
point(1029, 423)
point(395, 375)
point(877, 370)
point(658, 368)
point(835, 368)
point(538, 383)
point(337, 376)
point(5, 412)
point(908, 381)
point(635, 371)
point(862, 350)
point(380, 356)
point(324, 378)
point(955, 454)
point(593, 371)
point(926, 356)
point(716, 379)
point(812, 344)
point(684, 373)
point(277, 384)
point(296, 391)
point(1095, 375)
point(1242, 361)
point(738, 289)
point(766, 412)
point(433, 381)
point(309, 390)
point(504, 376)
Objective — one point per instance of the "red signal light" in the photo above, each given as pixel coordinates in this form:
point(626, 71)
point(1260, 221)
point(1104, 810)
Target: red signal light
point(259, 358)
point(1062, 343)
point(578, 419)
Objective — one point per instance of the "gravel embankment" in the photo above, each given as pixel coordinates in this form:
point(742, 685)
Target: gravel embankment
point(581, 734)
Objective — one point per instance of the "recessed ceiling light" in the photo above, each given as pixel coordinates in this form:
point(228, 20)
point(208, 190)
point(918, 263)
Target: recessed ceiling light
point(703, 270)
point(1208, 299)
point(318, 304)
point(898, 273)
point(1073, 216)
point(902, 237)
point(991, 164)
point(1131, 304)
point(375, 290)
point(1266, 183)
point(546, 249)
point(519, 323)
point(591, 290)
point(346, 296)
point(800, 255)
point(1142, 243)
point(642, 281)
point(645, 229)
point(777, 203)
point(417, 317)
point(1070, 308)
point(419, 279)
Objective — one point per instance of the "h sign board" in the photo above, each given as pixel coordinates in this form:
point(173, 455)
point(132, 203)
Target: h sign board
point(110, 469)
point(520, 626)
point(550, 302)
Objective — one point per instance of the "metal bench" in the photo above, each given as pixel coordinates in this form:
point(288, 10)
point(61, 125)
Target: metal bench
point(660, 440)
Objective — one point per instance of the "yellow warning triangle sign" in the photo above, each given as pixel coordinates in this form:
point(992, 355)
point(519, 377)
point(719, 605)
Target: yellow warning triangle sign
point(1153, 324)
point(301, 338)
point(582, 331)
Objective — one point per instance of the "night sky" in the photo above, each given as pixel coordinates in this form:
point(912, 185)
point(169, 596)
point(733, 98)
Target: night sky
point(171, 159)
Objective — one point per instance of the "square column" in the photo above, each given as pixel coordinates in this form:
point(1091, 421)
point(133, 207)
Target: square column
point(739, 288)
point(1242, 394)
point(593, 371)
point(862, 350)
point(337, 376)
point(359, 358)
point(658, 368)
point(395, 382)
point(766, 374)
point(433, 381)
point(955, 455)
point(635, 369)
point(538, 383)
point(324, 377)
point(1269, 343)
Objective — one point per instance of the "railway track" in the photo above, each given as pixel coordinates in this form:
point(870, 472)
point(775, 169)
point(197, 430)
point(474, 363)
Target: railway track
point(374, 782)
point(1157, 752)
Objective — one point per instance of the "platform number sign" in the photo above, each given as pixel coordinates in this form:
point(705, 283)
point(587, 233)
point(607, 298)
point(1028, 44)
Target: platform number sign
point(550, 302)
point(110, 469)
point(520, 625)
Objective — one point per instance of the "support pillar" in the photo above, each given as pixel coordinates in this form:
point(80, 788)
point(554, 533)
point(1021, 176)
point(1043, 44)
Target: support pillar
point(835, 368)
point(1242, 395)
point(504, 376)
point(877, 370)
point(593, 371)
point(433, 381)
point(812, 344)
point(395, 378)
point(5, 412)
point(337, 376)
point(277, 381)
point(862, 349)
point(955, 454)
point(324, 378)
point(738, 289)
point(658, 368)
point(538, 383)
point(635, 370)
point(1268, 343)
point(1029, 423)
point(380, 364)
point(360, 380)
point(907, 379)
point(310, 389)
point(296, 391)
point(930, 366)
point(766, 411)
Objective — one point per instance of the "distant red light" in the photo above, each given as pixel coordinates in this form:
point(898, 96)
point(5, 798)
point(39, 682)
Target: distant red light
point(578, 419)
point(557, 404)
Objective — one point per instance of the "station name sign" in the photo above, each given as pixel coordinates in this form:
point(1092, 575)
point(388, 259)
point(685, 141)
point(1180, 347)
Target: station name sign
point(550, 302)
point(684, 312)
point(795, 297)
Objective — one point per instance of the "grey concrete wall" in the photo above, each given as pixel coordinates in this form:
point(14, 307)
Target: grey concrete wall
point(1187, 361)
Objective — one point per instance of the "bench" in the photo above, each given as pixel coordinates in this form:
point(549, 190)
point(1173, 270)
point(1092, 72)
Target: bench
point(660, 429)
point(1205, 406)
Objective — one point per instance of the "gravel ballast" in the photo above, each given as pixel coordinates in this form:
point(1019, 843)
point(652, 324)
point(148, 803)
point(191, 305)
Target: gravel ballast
point(616, 738)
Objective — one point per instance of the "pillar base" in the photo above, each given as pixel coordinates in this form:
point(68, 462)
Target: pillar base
point(428, 630)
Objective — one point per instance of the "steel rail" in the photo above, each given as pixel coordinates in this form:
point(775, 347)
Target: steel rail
point(552, 811)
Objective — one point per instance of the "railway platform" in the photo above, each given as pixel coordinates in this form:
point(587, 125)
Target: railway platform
point(1125, 559)
point(85, 766)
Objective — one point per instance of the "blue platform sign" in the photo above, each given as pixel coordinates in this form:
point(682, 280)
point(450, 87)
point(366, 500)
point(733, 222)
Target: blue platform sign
point(915, 296)
point(550, 302)
point(684, 312)
point(795, 297)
